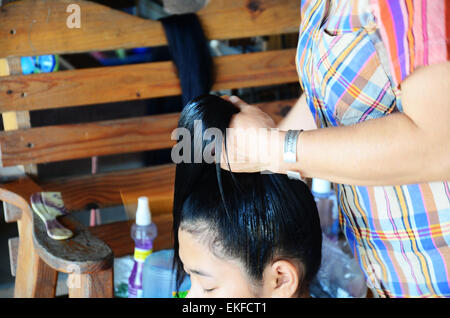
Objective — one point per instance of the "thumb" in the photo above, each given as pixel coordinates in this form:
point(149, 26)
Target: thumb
point(239, 103)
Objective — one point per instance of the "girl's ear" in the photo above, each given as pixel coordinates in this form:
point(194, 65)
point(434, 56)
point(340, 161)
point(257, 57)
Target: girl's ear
point(281, 280)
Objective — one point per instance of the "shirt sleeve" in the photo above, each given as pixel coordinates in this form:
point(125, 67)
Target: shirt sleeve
point(415, 33)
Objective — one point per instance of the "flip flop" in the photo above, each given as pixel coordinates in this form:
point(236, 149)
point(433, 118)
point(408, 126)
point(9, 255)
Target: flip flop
point(48, 206)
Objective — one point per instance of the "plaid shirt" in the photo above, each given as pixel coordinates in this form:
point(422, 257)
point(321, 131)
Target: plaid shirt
point(352, 55)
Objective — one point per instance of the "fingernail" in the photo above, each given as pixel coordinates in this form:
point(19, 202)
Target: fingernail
point(234, 99)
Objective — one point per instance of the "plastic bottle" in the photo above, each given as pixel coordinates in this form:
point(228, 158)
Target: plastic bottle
point(159, 277)
point(327, 206)
point(143, 234)
point(39, 64)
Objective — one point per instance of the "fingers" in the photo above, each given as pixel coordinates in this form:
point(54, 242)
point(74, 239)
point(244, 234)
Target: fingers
point(239, 103)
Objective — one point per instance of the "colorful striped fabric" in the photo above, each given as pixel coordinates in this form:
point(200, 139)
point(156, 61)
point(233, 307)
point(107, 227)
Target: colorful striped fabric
point(352, 55)
point(415, 33)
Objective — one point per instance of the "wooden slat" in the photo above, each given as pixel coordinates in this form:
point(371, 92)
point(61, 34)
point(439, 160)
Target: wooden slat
point(131, 82)
point(62, 142)
point(37, 27)
point(157, 183)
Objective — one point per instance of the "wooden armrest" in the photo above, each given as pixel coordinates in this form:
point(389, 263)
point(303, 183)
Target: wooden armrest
point(83, 253)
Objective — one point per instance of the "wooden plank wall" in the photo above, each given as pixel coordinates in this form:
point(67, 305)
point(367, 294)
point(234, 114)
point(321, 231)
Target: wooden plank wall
point(36, 27)
point(131, 82)
point(107, 29)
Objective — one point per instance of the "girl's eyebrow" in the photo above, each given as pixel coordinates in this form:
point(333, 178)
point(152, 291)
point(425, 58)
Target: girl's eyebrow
point(197, 272)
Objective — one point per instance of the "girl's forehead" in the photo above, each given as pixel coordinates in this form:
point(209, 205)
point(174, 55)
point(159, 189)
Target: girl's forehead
point(196, 254)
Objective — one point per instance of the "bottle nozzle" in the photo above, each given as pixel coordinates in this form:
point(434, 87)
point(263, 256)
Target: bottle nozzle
point(143, 214)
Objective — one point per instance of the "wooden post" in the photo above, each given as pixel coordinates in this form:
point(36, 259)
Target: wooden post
point(94, 285)
point(16, 120)
point(34, 278)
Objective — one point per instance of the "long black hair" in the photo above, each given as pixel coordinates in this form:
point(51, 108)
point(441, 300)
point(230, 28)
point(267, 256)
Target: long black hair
point(251, 217)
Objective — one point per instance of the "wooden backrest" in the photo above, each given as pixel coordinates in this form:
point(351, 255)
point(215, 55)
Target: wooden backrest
point(29, 28)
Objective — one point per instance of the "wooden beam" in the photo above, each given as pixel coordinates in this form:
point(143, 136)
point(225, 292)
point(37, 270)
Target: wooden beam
point(139, 81)
point(64, 142)
point(37, 27)
point(157, 183)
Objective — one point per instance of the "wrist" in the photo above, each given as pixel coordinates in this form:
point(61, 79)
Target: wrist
point(276, 162)
point(288, 157)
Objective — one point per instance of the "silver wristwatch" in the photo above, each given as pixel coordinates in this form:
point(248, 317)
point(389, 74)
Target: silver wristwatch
point(290, 152)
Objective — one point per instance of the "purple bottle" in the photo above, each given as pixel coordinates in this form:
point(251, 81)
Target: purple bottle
point(143, 234)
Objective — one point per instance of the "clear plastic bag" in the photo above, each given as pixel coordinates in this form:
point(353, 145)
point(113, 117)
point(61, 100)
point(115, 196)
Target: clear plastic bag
point(122, 271)
point(339, 275)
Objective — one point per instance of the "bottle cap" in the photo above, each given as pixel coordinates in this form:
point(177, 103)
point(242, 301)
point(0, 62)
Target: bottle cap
point(320, 186)
point(47, 63)
point(143, 214)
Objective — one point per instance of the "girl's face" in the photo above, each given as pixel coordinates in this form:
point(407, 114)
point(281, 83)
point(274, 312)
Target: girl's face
point(211, 276)
point(216, 277)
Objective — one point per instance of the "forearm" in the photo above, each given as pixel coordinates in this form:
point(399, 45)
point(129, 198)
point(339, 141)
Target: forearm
point(299, 117)
point(407, 147)
point(385, 151)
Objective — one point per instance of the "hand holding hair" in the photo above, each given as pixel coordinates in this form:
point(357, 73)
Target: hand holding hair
point(248, 147)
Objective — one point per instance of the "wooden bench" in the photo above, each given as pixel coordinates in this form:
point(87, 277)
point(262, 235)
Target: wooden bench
point(88, 256)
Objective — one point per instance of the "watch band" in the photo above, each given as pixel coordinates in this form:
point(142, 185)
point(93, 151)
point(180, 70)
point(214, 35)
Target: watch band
point(290, 152)
point(290, 146)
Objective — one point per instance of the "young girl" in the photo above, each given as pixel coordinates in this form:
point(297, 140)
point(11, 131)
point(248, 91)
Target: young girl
point(245, 234)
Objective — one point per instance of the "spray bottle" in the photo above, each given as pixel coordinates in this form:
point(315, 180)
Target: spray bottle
point(143, 234)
